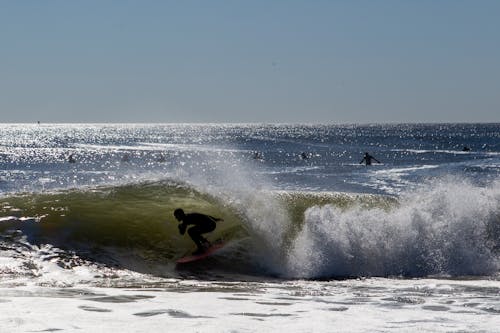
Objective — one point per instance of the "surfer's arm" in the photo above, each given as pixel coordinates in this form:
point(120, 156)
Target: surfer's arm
point(182, 228)
point(216, 219)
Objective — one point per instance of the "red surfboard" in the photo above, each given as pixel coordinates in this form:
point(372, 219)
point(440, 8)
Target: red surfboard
point(208, 252)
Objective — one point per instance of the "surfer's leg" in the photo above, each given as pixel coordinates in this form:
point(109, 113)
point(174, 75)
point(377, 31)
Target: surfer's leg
point(195, 234)
point(205, 242)
point(203, 229)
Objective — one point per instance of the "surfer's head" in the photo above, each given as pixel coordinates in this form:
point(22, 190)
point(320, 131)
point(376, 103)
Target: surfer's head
point(179, 214)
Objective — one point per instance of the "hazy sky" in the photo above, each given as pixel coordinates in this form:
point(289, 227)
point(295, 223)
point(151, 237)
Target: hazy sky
point(250, 61)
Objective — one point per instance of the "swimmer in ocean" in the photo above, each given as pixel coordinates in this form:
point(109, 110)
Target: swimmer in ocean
point(368, 159)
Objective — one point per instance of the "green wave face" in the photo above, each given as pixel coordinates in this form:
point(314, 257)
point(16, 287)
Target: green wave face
point(136, 216)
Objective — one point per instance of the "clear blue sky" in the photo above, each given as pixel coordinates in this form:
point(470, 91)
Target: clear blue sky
point(250, 61)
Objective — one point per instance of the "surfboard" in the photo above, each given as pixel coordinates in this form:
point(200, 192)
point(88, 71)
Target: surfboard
point(195, 257)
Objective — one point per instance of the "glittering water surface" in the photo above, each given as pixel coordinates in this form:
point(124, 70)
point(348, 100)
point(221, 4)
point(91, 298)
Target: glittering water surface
point(299, 157)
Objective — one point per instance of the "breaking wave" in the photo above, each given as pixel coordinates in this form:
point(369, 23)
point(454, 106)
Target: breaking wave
point(449, 228)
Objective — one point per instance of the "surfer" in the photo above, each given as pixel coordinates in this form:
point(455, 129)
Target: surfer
point(368, 159)
point(71, 159)
point(202, 224)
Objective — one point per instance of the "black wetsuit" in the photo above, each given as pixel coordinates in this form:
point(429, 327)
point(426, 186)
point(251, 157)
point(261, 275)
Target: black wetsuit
point(368, 159)
point(202, 224)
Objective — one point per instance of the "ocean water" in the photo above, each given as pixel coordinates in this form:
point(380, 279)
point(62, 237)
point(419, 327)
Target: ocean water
point(316, 240)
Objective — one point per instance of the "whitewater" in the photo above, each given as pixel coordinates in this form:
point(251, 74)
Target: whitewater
point(316, 240)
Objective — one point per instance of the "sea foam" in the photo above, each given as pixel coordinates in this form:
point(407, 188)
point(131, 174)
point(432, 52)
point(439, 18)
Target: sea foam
point(449, 227)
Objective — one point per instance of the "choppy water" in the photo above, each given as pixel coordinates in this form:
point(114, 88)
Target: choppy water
point(296, 204)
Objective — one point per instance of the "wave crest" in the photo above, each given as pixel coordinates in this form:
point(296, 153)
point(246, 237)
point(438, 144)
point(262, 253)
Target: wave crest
point(449, 228)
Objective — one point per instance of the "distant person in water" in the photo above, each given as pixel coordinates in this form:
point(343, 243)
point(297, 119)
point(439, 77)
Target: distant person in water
point(465, 148)
point(161, 159)
point(304, 156)
point(71, 159)
point(368, 159)
point(201, 225)
point(258, 156)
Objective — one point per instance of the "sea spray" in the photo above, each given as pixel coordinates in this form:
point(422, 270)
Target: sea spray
point(443, 228)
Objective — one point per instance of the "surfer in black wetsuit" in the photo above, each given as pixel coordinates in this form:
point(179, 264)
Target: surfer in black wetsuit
point(368, 159)
point(202, 224)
